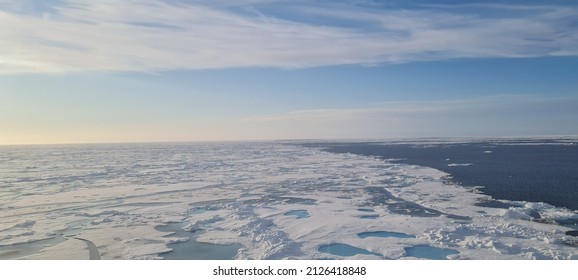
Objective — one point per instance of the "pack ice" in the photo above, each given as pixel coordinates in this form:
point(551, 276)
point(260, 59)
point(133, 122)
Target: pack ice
point(269, 200)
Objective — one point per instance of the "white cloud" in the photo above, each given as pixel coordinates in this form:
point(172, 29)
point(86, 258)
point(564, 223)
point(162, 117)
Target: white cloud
point(151, 35)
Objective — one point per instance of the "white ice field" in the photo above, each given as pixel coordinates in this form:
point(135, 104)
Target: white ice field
point(264, 200)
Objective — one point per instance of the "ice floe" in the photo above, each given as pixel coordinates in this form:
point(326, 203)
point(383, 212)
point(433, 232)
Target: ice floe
point(260, 200)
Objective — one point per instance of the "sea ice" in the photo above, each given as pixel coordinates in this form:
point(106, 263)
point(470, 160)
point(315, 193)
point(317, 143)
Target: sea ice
point(119, 197)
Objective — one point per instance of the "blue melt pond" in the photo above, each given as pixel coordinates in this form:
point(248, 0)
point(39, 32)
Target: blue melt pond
point(371, 217)
point(384, 234)
point(344, 250)
point(366, 210)
point(300, 214)
point(194, 250)
point(197, 211)
point(429, 252)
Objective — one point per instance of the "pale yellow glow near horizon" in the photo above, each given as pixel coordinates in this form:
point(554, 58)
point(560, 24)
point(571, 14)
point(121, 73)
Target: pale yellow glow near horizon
point(231, 130)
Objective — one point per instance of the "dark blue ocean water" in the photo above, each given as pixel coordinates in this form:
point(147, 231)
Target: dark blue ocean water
point(535, 170)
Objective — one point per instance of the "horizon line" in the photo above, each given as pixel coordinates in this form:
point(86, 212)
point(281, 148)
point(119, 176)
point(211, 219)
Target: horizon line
point(361, 139)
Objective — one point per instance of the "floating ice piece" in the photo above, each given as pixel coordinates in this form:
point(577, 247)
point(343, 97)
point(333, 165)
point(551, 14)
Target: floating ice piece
point(459, 164)
point(515, 213)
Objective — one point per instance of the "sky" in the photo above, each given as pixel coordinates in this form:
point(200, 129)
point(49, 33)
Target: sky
point(81, 71)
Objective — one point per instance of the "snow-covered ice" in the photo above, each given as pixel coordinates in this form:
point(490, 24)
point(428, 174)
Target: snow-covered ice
point(275, 200)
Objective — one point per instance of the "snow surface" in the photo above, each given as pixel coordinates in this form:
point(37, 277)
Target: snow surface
point(115, 196)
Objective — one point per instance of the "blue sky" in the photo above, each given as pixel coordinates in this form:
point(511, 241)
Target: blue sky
point(174, 70)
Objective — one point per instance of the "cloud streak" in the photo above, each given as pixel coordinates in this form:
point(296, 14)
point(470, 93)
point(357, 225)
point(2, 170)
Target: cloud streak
point(473, 106)
point(154, 35)
point(495, 115)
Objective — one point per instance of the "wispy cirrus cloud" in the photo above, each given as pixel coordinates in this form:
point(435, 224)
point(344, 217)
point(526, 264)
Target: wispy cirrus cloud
point(493, 115)
point(156, 35)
